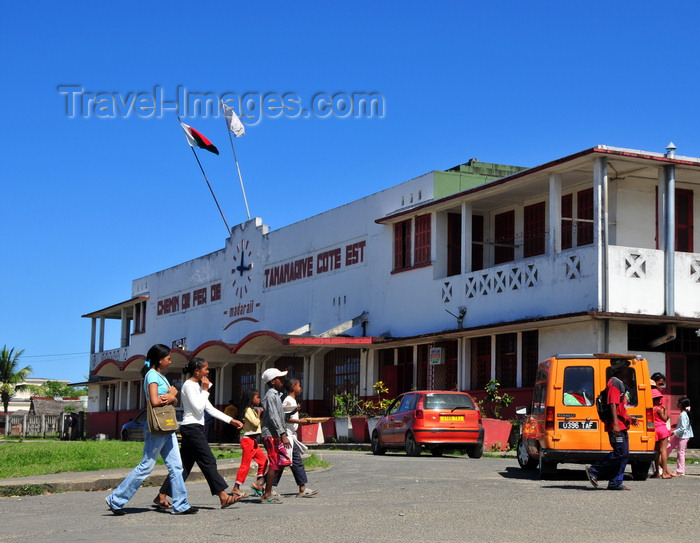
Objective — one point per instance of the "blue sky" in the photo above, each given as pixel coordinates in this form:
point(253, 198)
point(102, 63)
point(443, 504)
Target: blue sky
point(91, 202)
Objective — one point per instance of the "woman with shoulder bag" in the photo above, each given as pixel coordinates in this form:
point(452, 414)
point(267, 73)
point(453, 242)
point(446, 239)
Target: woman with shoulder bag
point(158, 393)
point(195, 447)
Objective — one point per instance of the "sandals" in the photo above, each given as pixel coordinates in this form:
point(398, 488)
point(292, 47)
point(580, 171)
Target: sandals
point(161, 506)
point(230, 501)
point(258, 492)
point(242, 495)
point(272, 499)
point(307, 493)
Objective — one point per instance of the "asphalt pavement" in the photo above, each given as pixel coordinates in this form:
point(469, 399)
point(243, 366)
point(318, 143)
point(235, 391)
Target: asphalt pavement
point(104, 479)
point(389, 498)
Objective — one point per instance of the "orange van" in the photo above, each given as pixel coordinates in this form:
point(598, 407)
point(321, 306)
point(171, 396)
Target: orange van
point(562, 424)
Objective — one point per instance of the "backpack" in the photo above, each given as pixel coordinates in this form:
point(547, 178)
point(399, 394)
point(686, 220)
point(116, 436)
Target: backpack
point(602, 405)
point(601, 401)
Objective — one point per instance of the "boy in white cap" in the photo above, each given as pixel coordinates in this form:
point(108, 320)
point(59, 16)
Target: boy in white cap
point(274, 428)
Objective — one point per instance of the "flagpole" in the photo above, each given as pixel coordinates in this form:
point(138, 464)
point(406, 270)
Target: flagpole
point(233, 148)
point(228, 230)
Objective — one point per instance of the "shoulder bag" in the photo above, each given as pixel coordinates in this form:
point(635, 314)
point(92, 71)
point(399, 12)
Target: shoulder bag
point(161, 419)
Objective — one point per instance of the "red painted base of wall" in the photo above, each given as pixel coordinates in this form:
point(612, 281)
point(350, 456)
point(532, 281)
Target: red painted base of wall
point(496, 432)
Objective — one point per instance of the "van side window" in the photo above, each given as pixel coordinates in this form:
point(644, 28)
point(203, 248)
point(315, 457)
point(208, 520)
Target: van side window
point(538, 398)
point(629, 377)
point(578, 385)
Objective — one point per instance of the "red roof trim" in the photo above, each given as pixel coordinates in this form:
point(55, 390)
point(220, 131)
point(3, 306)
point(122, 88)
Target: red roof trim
point(104, 363)
point(307, 341)
point(213, 343)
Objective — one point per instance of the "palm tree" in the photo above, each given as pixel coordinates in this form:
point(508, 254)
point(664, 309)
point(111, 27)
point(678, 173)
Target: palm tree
point(11, 378)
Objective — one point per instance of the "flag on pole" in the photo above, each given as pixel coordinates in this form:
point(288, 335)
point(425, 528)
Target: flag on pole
point(233, 122)
point(197, 139)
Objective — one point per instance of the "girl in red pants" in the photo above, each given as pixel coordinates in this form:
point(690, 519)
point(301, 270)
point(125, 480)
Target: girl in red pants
point(250, 438)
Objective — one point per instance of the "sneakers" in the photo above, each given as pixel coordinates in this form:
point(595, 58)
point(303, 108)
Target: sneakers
point(190, 511)
point(117, 512)
point(592, 478)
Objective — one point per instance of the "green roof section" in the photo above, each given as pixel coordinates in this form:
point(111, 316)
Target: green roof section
point(469, 175)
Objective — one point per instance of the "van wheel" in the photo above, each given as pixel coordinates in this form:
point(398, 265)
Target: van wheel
point(524, 459)
point(640, 470)
point(412, 448)
point(547, 469)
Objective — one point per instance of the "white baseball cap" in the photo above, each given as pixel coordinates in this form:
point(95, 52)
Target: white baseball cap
point(272, 373)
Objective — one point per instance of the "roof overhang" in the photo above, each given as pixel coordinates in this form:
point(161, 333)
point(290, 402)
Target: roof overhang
point(267, 343)
point(115, 311)
point(575, 168)
point(528, 324)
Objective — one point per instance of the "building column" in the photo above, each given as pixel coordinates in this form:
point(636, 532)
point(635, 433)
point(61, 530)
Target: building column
point(125, 328)
point(519, 358)
point(600, 227)
point(554, 239)
point(466, 237)
point(102, 335)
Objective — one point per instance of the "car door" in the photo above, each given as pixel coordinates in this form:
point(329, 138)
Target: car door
point(576, 426)
point(403, 420)
point(386, 425)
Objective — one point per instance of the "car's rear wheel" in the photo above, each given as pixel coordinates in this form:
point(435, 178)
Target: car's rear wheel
point(524, 459)
point(374, 444)
point(412, 448)
point(477, 451)
point(640, 470)
point(125, 436)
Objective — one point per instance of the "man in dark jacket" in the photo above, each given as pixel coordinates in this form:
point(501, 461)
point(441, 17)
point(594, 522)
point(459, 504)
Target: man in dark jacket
point(612, 467)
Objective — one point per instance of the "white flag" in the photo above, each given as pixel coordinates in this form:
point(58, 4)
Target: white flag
point(233, 122)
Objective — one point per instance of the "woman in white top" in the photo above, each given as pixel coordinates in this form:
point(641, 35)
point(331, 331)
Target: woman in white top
point(195, 447)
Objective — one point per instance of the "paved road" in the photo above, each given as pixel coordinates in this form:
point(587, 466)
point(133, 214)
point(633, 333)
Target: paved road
point(389, 498)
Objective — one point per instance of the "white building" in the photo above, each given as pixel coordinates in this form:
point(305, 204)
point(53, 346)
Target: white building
point(481, 270)
point(22, 398)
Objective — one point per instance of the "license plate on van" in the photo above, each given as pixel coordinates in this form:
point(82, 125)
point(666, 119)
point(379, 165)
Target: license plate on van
point(578, 425)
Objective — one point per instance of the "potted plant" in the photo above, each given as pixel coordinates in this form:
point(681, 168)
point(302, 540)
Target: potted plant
point(376, 409)
point(346, 405)
point(496, 430)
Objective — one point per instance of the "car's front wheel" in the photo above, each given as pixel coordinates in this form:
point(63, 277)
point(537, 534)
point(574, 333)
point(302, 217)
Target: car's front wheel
point(412, 448)
point(375, 445)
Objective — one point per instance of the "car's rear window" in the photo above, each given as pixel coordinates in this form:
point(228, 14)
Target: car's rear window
point(448, 401)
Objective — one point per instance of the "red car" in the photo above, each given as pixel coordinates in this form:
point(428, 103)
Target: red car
point(440, 420)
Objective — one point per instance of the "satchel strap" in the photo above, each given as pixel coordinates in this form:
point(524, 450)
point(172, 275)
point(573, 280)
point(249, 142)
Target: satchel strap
point(160, 376)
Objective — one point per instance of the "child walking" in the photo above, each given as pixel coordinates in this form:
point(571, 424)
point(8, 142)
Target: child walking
point(251, 450)
point(681, 435)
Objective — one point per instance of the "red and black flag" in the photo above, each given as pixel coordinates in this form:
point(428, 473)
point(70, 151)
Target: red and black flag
point(197, 139)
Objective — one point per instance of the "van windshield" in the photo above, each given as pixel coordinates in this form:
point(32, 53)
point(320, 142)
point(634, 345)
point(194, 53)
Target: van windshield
point(578, 385)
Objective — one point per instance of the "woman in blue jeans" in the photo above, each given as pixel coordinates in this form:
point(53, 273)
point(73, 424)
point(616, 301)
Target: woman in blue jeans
point(159, 392)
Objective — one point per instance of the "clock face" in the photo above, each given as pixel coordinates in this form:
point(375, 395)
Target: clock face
point(243, 263)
